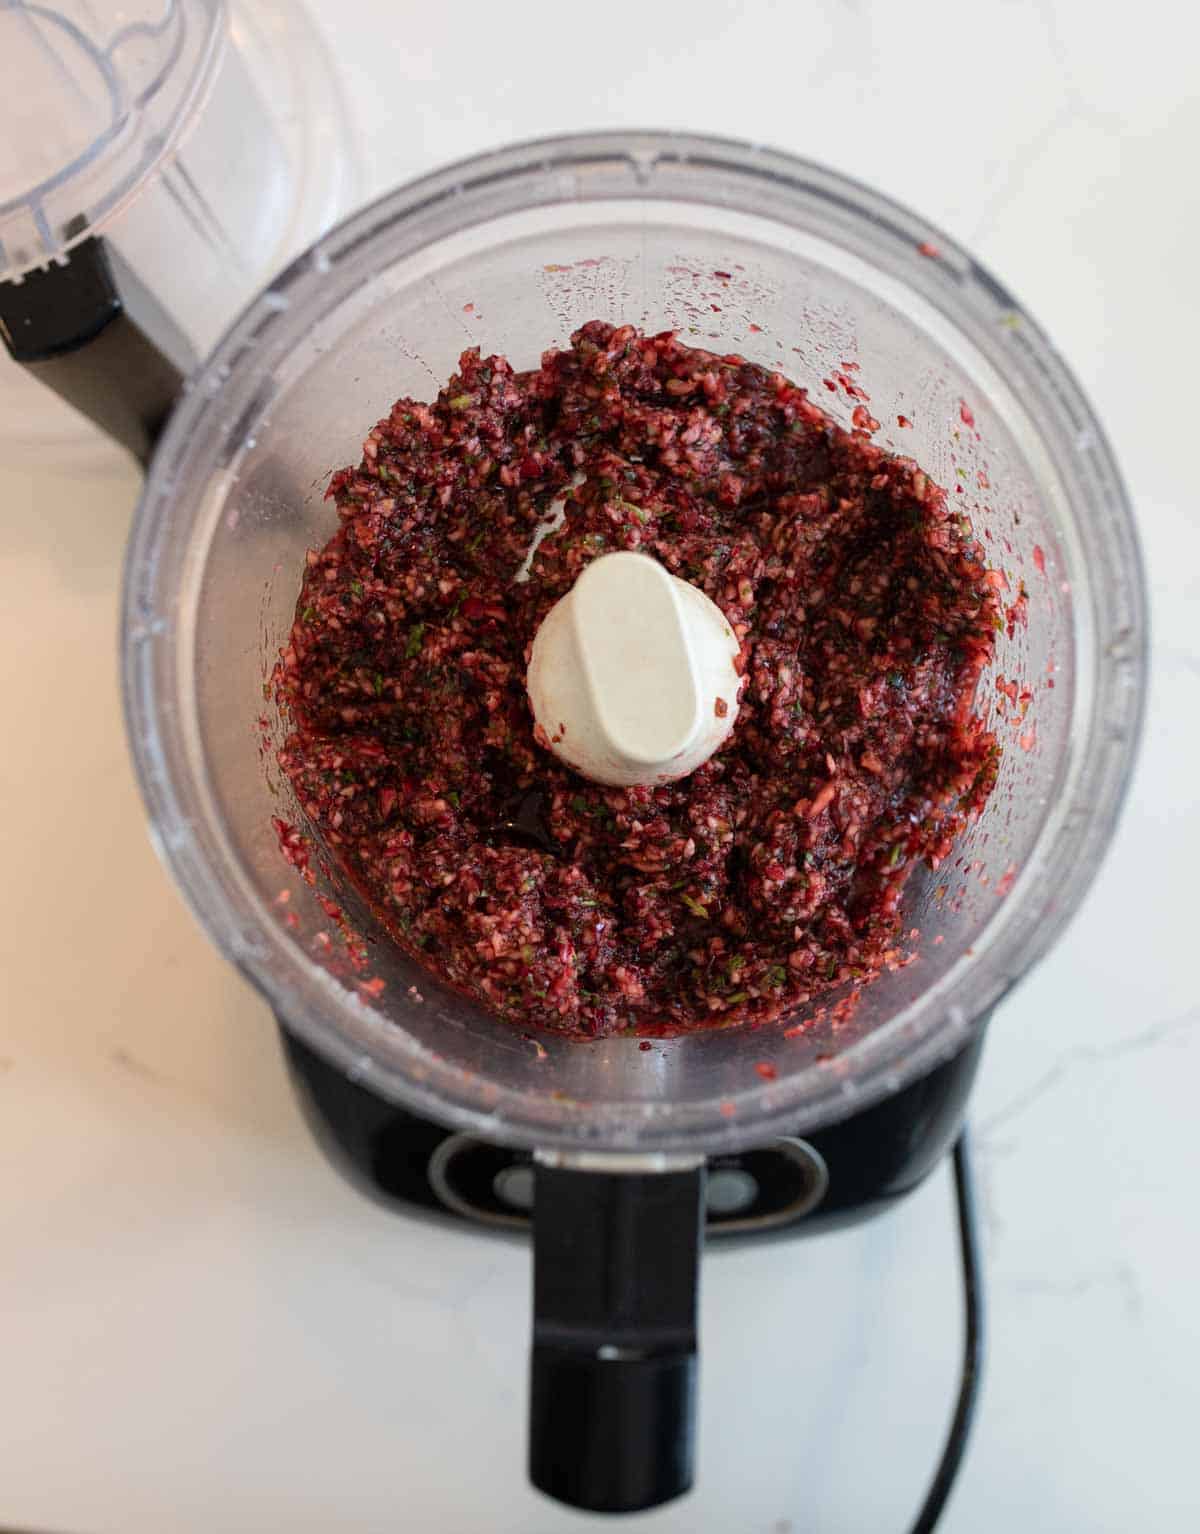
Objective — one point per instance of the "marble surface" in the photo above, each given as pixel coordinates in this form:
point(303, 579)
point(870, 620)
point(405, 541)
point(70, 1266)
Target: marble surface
point(202, 1329)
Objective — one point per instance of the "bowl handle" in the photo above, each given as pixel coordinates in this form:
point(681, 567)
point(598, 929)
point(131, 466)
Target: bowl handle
point(613, 1369)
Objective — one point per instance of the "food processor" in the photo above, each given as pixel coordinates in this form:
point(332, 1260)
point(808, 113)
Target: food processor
point(622, 1157)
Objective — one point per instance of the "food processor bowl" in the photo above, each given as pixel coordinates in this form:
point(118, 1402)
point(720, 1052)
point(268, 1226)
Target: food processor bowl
point(740, 249)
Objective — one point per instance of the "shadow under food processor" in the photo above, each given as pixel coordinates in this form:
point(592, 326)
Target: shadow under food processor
point(603, 1146)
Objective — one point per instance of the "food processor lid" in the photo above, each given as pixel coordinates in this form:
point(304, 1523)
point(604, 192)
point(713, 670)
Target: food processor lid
point(104, 94)
point(176, 152)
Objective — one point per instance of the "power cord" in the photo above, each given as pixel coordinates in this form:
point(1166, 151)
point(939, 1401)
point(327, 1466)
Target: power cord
point(973, 1343)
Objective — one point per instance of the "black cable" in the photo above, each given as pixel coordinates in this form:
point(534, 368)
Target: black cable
point(973, 1343)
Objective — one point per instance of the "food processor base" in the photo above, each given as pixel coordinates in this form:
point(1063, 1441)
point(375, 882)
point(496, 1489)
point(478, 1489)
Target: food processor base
point(838, 1176)
point(793, 1186)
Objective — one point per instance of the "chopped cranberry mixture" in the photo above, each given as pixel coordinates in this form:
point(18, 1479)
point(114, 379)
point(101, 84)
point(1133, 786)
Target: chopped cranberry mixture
point(774, 872)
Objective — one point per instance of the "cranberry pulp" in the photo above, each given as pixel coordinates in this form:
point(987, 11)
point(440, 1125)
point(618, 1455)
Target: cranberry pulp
point(774, 873)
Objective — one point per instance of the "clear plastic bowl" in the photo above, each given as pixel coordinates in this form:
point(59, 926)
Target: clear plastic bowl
point(512, 251)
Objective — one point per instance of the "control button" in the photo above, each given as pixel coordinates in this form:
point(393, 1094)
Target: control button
point(513, 1185)
point(729, 1190)
point(789, 1179)
point(488, 1183)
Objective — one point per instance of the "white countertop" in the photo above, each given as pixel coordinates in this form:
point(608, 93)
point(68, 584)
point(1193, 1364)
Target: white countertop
point(202, 1329)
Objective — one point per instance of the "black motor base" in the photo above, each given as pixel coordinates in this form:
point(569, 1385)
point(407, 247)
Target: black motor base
point(832, 1177)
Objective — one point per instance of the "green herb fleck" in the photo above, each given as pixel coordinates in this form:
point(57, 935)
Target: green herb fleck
point(416, 636)
point(776, 975)
point(694, 906)
point(459, 401)
point(308, 614)
point(895, 855)
point(357, 588)
point(738, 996)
